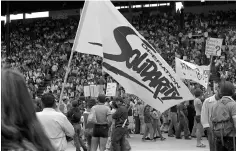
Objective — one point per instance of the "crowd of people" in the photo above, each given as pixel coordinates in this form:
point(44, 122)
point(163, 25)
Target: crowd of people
point(41, 49)
point(105, 122)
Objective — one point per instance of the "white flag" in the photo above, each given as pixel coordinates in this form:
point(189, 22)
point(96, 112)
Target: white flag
point(128, 57)
point(186, 70)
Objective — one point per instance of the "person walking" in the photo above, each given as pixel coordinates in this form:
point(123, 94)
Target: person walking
point(173, 121)
point(156, 124)
point(183, 121)
point(74, 115)
point(148, 123)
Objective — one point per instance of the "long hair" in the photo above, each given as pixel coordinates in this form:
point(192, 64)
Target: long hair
point(146, 108)
point(19, 123)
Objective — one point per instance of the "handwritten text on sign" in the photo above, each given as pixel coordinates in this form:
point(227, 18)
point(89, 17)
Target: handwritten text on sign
point(213, 46)
point(111, 89)
point(186, 70)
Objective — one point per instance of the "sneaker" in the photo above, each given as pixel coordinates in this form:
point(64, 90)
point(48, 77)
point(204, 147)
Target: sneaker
point(171, 135)
point(178, 138)
point(147, 138)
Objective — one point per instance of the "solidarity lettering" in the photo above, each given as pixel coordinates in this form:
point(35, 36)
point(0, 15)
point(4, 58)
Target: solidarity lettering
point(145, 67)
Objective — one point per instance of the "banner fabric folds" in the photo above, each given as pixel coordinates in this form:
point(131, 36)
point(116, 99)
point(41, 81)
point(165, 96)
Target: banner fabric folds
point(186, 70)
point(128, 57)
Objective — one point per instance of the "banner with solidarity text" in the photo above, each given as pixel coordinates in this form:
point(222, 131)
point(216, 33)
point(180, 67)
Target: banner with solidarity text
point(128, 57)
point(186, 70)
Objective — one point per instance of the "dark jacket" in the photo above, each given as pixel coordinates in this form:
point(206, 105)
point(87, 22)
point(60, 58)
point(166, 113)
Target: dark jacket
point(120, 116)
point(74, 115)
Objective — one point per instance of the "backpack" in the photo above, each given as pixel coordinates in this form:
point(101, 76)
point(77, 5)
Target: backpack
point(221, 118)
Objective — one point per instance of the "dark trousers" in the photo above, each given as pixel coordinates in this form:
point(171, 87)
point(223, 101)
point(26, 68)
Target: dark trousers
point(183, 125)
point(118, 139)
point(228, 144)
point(191, 123)
point(211, 139)
point(137, 124)
point(77, 139)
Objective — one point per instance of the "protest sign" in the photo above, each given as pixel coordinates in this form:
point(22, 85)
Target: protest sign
point(111, 89)
point(213, 46)
point(86, 91)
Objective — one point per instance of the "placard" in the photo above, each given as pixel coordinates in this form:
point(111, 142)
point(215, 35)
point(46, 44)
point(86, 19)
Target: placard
point(213, 46)
point(86, 91)
point(93, 91)
point(111, 89)
point(100, 89)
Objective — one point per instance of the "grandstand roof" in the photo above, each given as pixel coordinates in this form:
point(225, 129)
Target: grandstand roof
point(37, 6)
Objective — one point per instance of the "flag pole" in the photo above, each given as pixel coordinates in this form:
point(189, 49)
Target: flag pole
point(209, 72)
point(72, 51)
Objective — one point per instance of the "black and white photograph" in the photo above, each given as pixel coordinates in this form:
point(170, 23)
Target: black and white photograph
point(109, 75)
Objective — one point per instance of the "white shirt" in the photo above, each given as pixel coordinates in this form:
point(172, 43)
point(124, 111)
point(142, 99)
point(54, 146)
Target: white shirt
point(206, 111)
point(57, 127)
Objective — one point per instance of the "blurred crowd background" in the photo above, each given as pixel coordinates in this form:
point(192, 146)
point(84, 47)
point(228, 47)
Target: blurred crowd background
point(41, 49)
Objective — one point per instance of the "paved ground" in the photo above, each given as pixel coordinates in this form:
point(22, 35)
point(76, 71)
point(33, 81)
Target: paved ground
point(170, 144)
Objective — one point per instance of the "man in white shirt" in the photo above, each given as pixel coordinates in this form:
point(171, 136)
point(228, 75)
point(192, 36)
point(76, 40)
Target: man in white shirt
point(206, 115)
point(55, 124)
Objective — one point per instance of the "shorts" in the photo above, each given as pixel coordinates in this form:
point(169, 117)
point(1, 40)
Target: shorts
point(100, 130)
point(198, 118)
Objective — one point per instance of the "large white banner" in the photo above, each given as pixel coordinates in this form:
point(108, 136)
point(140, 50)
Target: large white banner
point(128, 57)
point(213, 46)
point(186, 70)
